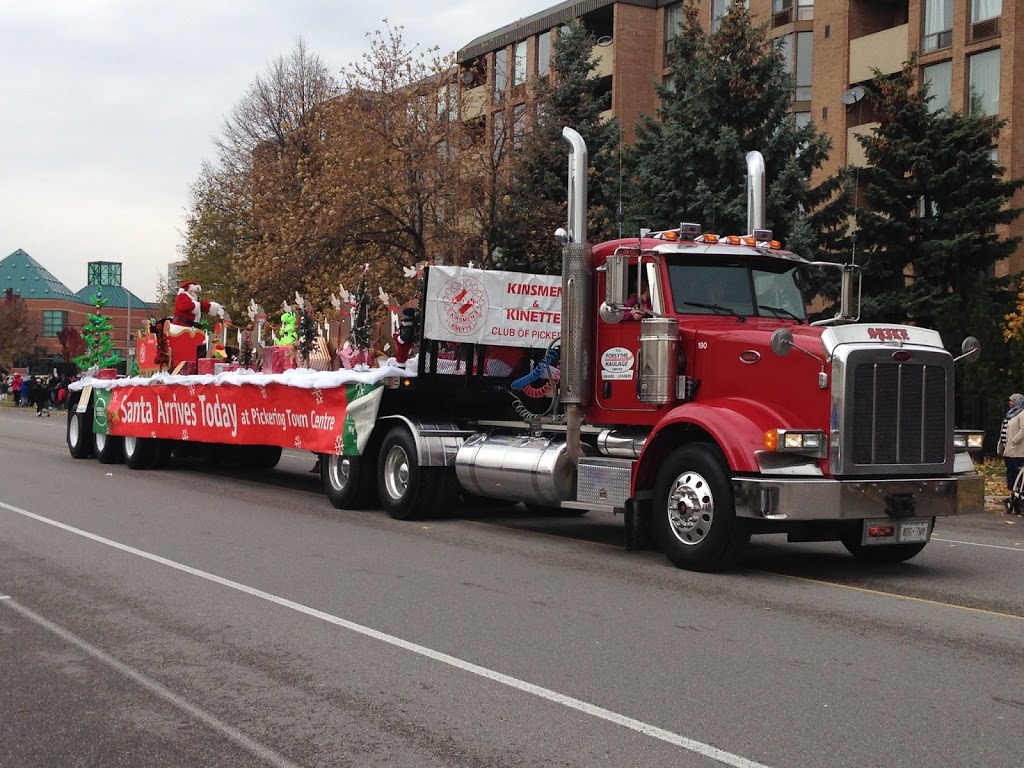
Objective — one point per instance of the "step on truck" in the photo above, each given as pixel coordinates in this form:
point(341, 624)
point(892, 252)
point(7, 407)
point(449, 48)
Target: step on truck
point(671, 378)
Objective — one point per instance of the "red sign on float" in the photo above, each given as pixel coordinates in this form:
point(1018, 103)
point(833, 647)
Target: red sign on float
point(312, 420)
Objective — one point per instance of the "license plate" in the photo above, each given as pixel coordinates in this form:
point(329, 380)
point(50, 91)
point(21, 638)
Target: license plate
point(914, 531)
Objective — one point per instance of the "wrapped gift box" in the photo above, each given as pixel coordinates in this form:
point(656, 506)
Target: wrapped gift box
point(205, 365)
point(278, 359)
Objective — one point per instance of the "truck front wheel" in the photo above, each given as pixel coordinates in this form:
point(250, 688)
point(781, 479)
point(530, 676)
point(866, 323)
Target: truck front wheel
point(694, 511)
point(407, 490)
point(348, 482)
point(879, 553)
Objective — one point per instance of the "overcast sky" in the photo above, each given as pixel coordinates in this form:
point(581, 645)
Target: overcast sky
point(108, 108)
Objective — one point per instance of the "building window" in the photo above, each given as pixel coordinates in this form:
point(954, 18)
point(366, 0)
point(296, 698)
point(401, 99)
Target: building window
point(938, 25)
point(984, 82)
point(543, 54)
point(519, 64)
point(798, 62)
point(939, 80)
point(986, 9)
point(800, 119)
point(518, 124)
point(718, 10)
point(500, 73)
point(54, 321)
point(804, 10)
point(673, 20)
point(104, 273)
point(448, 103)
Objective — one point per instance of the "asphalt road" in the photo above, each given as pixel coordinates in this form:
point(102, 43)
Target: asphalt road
point(194, 618)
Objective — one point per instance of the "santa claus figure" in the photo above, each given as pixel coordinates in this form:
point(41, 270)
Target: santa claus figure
point(188, 307)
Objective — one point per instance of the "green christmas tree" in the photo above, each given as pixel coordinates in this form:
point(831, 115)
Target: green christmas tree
point(96, 334)
point(361, 328)
point(307, 333)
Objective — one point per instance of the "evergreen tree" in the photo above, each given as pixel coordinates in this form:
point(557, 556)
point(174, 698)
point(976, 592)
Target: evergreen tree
point(96, 334)
point(307, 333)
point(535, 204)
point(361, 322)
point(729, 92)
point(934, 202)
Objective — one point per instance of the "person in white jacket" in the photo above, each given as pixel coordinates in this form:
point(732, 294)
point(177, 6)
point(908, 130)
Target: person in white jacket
point(1011, 444)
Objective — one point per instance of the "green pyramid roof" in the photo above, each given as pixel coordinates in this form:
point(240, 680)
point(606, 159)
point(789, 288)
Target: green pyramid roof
point(116, 296)
point(30, 279)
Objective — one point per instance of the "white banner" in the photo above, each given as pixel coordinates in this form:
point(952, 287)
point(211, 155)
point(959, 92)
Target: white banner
point(509, 309)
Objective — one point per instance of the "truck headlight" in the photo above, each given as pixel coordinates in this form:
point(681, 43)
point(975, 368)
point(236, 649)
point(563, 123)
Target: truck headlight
point(809, 442)
point(968, 440)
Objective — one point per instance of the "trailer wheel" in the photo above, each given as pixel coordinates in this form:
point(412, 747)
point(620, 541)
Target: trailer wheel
point(79, 432)
point(694, 511)
point(407, 490)
point(881, 553)
point(109, 448)
point(348, 481)
point(140, 452)
point(262, 456)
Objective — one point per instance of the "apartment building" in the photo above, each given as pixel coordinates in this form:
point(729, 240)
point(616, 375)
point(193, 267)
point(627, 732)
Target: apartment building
point(967, 54)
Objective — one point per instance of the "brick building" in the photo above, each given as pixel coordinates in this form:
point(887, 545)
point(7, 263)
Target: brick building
point(52, 306)
point(832, 46)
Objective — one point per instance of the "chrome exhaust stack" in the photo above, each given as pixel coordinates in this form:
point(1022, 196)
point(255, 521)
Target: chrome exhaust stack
point(576, 297)
point(756, 192)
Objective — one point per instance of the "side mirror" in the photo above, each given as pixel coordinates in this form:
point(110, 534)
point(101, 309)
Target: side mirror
point(849, 299)
point(970, 350)
point(782, 342)
point(616, 284)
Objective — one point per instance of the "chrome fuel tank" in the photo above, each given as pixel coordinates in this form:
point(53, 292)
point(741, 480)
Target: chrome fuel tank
point(535, 470)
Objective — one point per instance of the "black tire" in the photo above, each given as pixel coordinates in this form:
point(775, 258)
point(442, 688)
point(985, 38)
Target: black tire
point(262, 456)
point(348, 481)
point(407, 490)
point(109, 448)
point(879, 553)
point(140, 452)
point(79, 432)
point(694, 516)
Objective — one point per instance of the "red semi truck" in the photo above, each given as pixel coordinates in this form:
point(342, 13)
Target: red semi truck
point(708, 412)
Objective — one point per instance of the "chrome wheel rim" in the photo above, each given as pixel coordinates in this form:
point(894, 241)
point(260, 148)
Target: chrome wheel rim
point(130, 445)
point(691, 508)
point(101, 441)
point(73, 430)
point(339, 472)
point(396, 472)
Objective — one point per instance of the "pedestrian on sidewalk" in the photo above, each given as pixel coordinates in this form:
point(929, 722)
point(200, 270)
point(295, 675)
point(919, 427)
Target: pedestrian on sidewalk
point(1011, 446)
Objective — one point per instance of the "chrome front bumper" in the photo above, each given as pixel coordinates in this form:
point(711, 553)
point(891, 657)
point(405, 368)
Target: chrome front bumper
point(790, 498)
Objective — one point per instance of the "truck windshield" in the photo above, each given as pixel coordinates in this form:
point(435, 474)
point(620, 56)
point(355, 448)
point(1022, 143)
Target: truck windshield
point(744, 290)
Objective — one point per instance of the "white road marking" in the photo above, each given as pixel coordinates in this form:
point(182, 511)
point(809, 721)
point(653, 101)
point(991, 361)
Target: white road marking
point(250, 745)
point(691, 745)
point(977, 544)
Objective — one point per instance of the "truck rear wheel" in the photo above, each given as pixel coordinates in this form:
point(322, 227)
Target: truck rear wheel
point(109, 448)
point(79, 432)
point(348, 481)
point(407, 490)
point(694, 511)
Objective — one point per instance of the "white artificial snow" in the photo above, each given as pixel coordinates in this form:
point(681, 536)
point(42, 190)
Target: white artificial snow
point(300, 378)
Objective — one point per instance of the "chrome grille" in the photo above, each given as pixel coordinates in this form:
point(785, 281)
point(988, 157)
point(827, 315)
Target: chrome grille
point(899, 414)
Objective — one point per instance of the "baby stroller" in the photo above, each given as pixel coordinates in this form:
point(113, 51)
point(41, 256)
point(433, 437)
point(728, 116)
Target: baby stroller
point(1015, 501)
